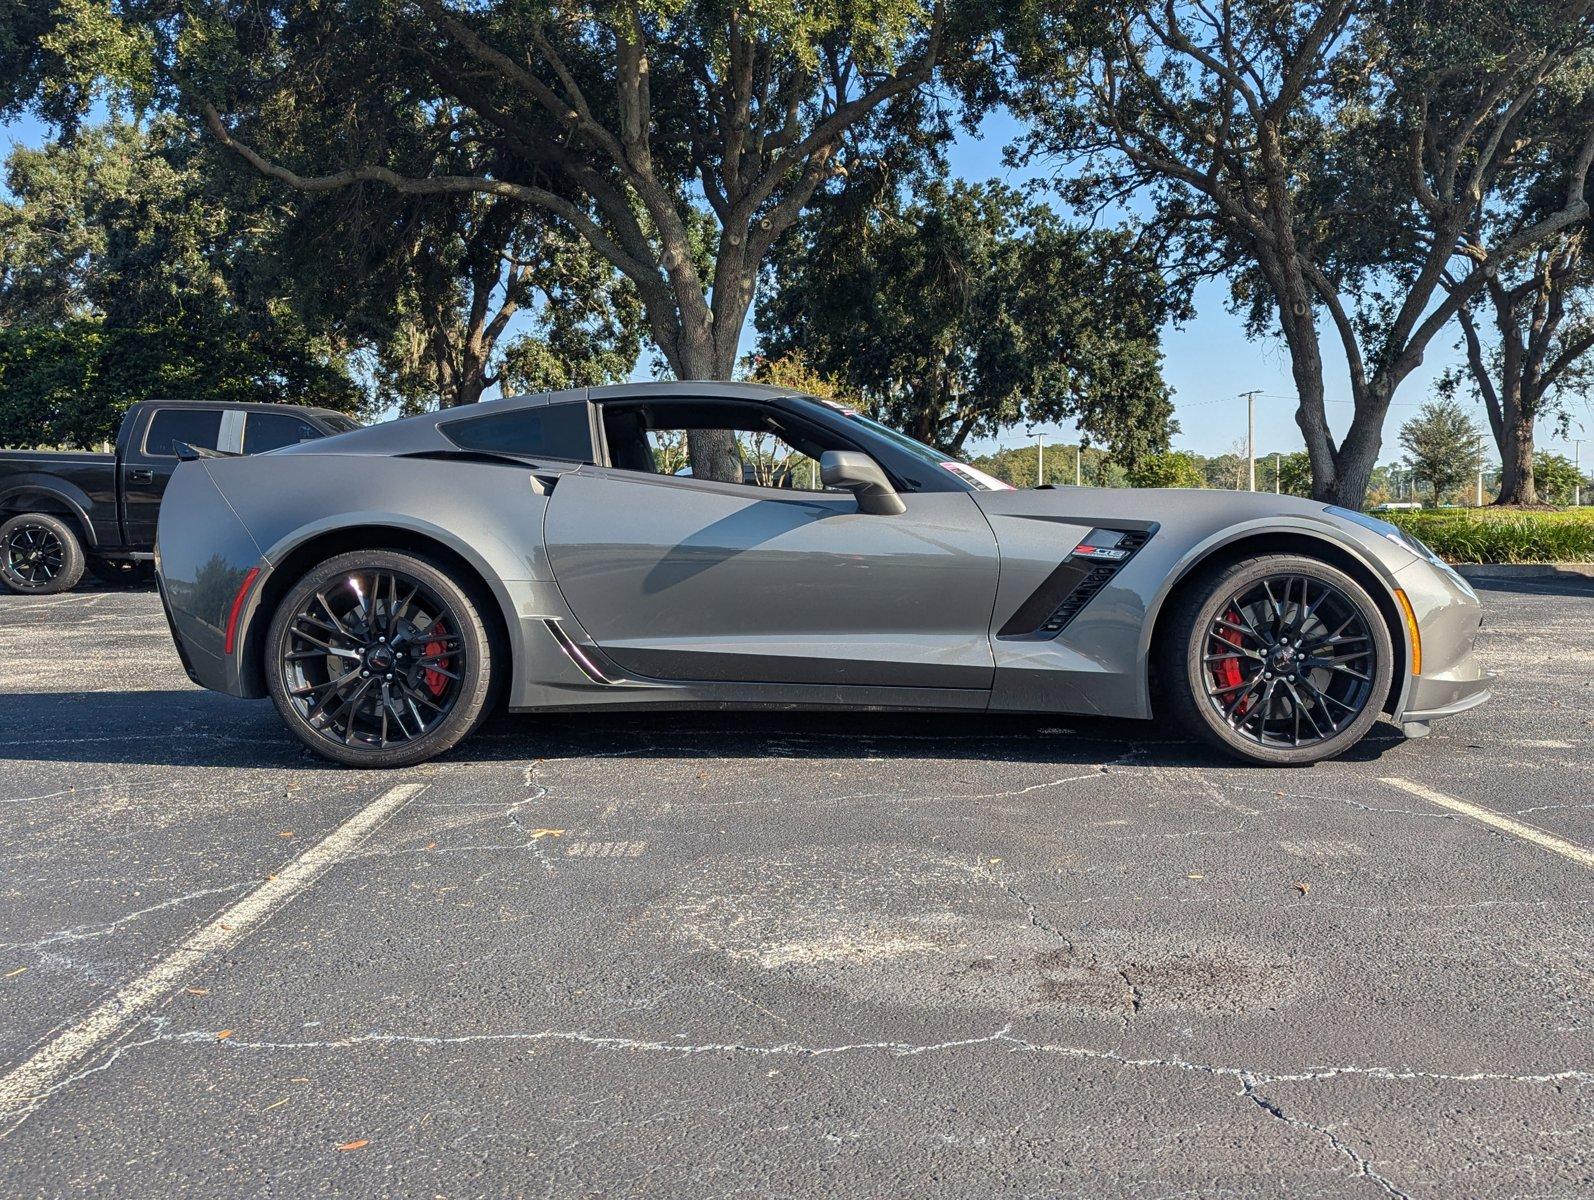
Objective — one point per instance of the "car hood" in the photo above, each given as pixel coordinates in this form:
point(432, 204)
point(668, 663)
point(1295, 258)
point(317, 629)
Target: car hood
point(1076, 505)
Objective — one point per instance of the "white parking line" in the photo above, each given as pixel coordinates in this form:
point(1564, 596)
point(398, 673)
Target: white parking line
point(1566, 849)
point(25, 1087)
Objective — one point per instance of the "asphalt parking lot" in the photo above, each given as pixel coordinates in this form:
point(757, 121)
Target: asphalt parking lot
point(787, 955)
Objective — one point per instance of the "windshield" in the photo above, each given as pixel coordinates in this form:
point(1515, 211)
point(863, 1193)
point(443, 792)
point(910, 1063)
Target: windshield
point(928, 454)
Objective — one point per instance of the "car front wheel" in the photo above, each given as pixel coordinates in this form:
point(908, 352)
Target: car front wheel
point(1279, 659)
point(379, 659)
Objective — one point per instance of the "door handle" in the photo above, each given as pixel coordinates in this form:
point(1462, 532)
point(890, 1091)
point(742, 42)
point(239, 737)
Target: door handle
point(141, 475)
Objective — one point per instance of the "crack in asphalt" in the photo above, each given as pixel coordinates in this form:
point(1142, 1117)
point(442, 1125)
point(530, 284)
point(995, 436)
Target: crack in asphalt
point(1364, 1169)
point(83, 933)
point(1250, 1082)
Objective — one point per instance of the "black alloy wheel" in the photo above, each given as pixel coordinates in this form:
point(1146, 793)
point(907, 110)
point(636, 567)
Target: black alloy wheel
point(39, 555)
point(1284, 660)
point(379, 659)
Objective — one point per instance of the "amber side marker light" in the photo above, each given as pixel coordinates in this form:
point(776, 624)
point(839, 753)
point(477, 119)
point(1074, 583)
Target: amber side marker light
point(1411, 627)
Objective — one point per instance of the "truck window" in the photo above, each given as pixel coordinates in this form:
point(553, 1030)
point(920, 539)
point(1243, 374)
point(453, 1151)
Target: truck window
point(272, 431)
point(554, 430)
point(195, 426)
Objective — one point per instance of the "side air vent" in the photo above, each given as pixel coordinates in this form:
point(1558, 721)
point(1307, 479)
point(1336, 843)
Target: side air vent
point(1078, 598)
point(1089, 567)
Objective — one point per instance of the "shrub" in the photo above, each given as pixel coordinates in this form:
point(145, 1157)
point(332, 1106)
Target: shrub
point(1484, 535)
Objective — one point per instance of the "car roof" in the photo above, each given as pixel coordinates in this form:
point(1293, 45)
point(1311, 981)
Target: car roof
point(658, 389)
point(422, 432)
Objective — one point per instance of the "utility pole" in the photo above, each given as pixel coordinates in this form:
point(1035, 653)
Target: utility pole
point(1250, 433)
point(1277, 486)
point(1040, 460)
point(1079, 453)
point(1480, 487)
point(1577, 484)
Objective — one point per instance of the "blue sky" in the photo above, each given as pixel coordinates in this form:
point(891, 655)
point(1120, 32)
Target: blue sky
point(1209, 360)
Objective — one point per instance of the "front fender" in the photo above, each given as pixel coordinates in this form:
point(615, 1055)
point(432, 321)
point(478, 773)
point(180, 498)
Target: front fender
point(1382, 565)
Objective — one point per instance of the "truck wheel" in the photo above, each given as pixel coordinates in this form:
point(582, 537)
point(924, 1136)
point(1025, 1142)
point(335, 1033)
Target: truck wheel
point(39, 555)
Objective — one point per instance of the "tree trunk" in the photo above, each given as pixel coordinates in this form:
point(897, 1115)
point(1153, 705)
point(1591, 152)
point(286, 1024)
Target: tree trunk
point(1516, 459)
point(469, 388)
point(714, 453)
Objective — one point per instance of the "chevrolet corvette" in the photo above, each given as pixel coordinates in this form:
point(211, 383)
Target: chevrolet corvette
point(390, 586)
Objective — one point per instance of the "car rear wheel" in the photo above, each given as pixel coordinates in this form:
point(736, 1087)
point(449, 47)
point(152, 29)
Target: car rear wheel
point(39, 555)
point(1280, 659)
point(379, 659)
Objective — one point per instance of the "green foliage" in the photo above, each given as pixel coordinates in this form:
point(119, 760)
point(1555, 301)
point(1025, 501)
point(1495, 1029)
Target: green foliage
point(1443, 446)
point(1172, 469)
point(1492, 535)
point(794, 371)
point(125, 275)
point(1557, 480)
point(1017, 466)
point(1357, 171)
point(69, 384)
point(964, 309)
point(1295, 474)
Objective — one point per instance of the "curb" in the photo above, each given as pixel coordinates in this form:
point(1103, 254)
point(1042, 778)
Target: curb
point(1568, 570)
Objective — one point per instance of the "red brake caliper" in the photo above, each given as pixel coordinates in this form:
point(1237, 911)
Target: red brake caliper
point(1227, 673)
point(435, 681)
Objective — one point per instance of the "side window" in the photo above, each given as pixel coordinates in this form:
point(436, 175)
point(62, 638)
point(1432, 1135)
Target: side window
point(272, 431)
point(553, 430)
point(774, 451)
point(197, 427)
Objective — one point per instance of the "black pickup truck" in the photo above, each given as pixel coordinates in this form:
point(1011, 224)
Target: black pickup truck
point(62, 511)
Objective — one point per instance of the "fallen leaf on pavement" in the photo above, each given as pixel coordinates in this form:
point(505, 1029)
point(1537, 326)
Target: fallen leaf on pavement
point(18, 971)
point(538, 834)
point(224, 1035)
point(286, 833)
point(356, 1144)
point(198, 991)
point(278, 1104)
point(1303, 888)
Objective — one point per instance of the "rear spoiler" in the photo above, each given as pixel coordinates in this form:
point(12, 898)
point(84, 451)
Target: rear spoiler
point(188, 453)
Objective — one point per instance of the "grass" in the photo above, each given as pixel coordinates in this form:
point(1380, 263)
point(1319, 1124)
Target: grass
point(1489, 535)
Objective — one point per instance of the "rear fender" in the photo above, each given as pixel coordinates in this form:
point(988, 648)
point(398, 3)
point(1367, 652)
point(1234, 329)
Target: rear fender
point(23, 493)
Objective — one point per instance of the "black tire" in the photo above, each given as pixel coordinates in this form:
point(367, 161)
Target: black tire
point(435, 674)
point(1267, 677)
point(40, 555)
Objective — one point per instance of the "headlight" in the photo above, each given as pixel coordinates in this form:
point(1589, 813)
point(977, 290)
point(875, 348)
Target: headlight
point(1402, 539)
point(1384, 529)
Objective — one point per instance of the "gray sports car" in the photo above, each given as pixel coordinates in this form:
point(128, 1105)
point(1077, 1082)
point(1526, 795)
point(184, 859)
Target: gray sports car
point(390, 586)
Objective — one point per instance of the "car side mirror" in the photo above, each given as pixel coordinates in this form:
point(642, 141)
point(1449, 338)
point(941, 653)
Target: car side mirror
point(859, 474)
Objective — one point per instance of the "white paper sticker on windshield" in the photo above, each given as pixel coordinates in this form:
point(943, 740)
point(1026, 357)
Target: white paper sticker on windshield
point(977, 477)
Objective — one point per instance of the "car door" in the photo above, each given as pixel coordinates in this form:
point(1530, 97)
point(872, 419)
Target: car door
point(684, 579)
point(147, 464)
